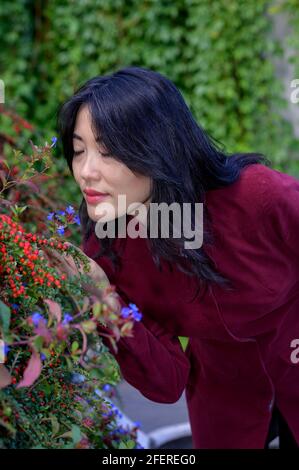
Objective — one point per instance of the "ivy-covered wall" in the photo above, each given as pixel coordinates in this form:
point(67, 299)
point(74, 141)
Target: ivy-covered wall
point(219, 53)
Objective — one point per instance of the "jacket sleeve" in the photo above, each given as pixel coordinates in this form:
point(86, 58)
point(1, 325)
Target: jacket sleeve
point(152, 361)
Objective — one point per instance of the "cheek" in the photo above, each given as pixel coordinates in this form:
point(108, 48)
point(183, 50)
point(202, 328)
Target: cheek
point(139, 189)
point(116, 176)
point(123, 181)
point(76, 171)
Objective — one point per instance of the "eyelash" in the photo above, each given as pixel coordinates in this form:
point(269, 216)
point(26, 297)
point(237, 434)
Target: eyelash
point(78, 152)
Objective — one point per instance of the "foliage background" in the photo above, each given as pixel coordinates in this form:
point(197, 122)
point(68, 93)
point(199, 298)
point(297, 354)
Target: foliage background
point(218, 53)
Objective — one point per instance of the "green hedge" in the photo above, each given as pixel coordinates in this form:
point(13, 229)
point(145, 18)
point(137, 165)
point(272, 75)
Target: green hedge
point(218, 53)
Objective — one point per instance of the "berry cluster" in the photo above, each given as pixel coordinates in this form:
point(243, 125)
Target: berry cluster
point(21, 260)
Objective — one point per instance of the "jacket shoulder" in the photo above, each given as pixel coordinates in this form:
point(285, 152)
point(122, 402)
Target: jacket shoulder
point(240, 206)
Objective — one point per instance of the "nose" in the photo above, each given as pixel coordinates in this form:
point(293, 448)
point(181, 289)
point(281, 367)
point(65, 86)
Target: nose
point(91, 166)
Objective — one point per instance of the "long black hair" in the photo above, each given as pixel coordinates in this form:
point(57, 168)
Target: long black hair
point(143, 121)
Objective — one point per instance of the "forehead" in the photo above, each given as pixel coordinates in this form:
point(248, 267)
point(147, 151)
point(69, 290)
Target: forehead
point(83, 130)
point(83, 116)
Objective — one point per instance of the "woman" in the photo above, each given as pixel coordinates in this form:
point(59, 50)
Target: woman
point(236, 297)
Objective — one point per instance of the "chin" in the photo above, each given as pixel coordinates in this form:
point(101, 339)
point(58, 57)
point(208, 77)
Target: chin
point(100, 218)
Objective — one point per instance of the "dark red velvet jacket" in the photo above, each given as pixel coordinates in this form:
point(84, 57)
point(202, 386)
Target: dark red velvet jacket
point(238, 360)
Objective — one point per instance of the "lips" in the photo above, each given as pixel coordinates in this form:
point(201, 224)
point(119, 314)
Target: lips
point(92, 192)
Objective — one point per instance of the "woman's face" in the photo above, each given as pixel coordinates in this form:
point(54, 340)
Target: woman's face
point(92, 170)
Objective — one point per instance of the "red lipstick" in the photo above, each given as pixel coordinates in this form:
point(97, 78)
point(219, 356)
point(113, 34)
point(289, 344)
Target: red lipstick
point(94, 197)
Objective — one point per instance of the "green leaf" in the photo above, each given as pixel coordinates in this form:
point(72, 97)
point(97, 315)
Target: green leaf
point(184, 342)
point(122, 445)
point(127, 445)
point(69, 363)
point(76, 434)
point(47, 388)
point(89, 326)
point(4, 317)
point(130, 444)
point(55, 425)
point(75, 346)
point(97, 374)
point(96, 309)
point(39, 165)
point(38, 343)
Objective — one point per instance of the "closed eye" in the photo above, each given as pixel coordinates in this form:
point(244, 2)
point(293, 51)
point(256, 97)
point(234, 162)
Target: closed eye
point(77, 152)
point(106, 154)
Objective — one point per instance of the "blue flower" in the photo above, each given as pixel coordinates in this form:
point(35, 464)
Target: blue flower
point(53, 140)
point(43, 357)
point(131, 310)
point(6, 349)
point(133, 307)
point(77, 220)
point(77, 378)
point(125, 312)
point(50, 215)
point(70, 210)
point(36, 318)
point(107, 388)
point(137, 316)
point(61, 212)
point(60, 230)
point(15, 306)
point(67, 318)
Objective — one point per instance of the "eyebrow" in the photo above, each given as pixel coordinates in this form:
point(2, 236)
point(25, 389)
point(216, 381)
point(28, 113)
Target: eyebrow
point(76, 136)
